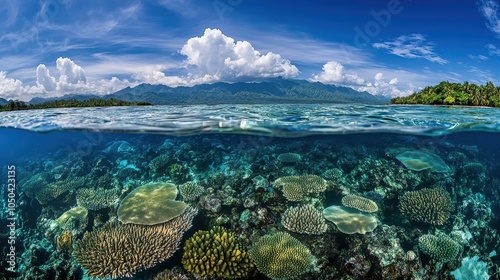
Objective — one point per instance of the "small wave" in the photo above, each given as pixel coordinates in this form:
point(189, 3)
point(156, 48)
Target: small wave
point(274, 120)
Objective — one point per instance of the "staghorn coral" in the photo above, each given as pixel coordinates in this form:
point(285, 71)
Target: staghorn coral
point(95, 199)
point(151, 204)
point(280, 256)
point(295, 188)
point(427, 205)
point(119, 250)
point(216, 253)
point(305, 219)
point(289, 158)
point(191, 190)
point(169, 275)
point(441, 247)
point(350, 221)
point(360, 203)
point(64, 241)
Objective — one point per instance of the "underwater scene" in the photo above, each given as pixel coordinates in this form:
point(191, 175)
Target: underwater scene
point(250, 192)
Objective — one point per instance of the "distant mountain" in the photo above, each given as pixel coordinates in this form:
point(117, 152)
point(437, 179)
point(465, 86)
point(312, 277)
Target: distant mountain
point(79, 97)
point(271, 91)
point(3, 101)
point(267, 92)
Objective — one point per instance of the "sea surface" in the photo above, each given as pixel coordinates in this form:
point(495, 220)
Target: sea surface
point(419, 187)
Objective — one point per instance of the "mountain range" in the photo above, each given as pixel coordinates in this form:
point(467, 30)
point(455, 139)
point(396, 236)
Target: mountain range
point(270, 91)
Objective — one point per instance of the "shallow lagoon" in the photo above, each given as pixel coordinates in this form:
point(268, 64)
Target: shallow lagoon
point(237, 157)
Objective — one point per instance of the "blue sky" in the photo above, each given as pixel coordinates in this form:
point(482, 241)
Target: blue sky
point(390, 47)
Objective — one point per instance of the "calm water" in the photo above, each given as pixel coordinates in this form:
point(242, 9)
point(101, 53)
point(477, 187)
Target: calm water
point(92, 159)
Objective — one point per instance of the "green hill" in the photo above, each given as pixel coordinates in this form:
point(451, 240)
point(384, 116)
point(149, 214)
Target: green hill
point(446, 93)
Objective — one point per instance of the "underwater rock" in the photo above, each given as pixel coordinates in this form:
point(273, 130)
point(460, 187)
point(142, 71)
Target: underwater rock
point(420, 160)
point(349, 220)
point(211, 203)
point(151, 204)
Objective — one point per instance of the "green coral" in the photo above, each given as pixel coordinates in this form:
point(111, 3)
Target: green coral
point(427, 205)
point(440, 247)
point(304, 219)
point(216, 253)
point(280, 256)
point(191, 190)
point(295, 188)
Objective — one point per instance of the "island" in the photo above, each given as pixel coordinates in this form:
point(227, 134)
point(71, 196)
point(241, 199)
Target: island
point(14, 105)
point(446, 93)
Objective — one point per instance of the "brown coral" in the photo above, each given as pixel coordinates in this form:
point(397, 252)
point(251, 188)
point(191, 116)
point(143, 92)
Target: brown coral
point(359, 203)
point(305, 219)
point(296, 187)
point(64, 241)
point(119, 250)
point(427, 205)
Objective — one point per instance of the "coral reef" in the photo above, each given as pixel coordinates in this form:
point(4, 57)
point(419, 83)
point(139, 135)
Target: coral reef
point(427, 205)
point(440, 247)
point(216, 253)
point(421, 160)
point(151, 204)
point(349, 220)
point(304, 219)
point(118, 250)
point(360, 203)
point(295, 188)
point(280, 256)
point(95, 199)
point(191, 190)
point(64, 241)
point(289, 158)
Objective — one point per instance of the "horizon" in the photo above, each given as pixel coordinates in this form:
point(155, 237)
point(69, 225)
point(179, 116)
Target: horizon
point(389, 48)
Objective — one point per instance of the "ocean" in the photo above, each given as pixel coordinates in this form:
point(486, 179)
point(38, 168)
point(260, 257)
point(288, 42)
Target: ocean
point(250, 192)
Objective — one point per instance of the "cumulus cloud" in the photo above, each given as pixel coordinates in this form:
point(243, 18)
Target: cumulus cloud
point(411, 46)
point(334, 73)
point(219, 56)
point(490, 9)
point(14, 89)
point(44, 79)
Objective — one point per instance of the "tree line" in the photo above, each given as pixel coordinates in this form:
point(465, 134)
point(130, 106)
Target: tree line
point(446, 93)
point(14, 105)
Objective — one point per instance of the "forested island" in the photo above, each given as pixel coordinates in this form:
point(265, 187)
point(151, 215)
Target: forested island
point(94, 102)
point(446, 93)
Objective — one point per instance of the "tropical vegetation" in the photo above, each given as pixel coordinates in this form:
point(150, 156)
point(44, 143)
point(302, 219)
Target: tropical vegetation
point(446, 93)
point(94, 102)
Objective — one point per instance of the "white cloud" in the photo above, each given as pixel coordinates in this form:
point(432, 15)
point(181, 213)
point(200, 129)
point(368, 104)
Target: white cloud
point(411, 46)
point(220, 57)
point(14, 89)
point(334, 73)
point(490, 9)
point(44, 79)
point(493, 50)
point(70, 72)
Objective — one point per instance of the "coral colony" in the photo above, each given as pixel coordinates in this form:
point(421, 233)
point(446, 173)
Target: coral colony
point(206, 207)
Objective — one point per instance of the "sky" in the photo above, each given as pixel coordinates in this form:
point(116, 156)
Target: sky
point(388, 47)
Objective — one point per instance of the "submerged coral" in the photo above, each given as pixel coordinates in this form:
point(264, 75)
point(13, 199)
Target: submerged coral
point(295, 188)
point(427, 205)
point(350, 221)
point(304, 219)
point(360, 203)
point(420, 160)
point(119, 250)
point(440, 247)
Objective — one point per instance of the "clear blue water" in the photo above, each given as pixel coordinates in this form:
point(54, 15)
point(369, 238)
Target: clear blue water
point(227, 149)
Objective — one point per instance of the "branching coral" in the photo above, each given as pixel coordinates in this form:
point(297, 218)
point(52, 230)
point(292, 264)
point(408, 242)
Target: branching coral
point(440, 247)
point(118, 250)
point(427, 205)
point(360, 203)
point(216, 253)
point(280, 256)
point(305, 219)
point(191, 190)
point(295, 188)
point(95, 199)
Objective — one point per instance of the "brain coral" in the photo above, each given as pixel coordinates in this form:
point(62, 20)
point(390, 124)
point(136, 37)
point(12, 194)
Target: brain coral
point(280, 256)
point(349, 220)
point(427, 205)
point(441, 247)
point(151, 204)
point(305, 219)
point(296, 187)
point(360, 203)
point(420, 160)
point(216, 253)
point(118, 250)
